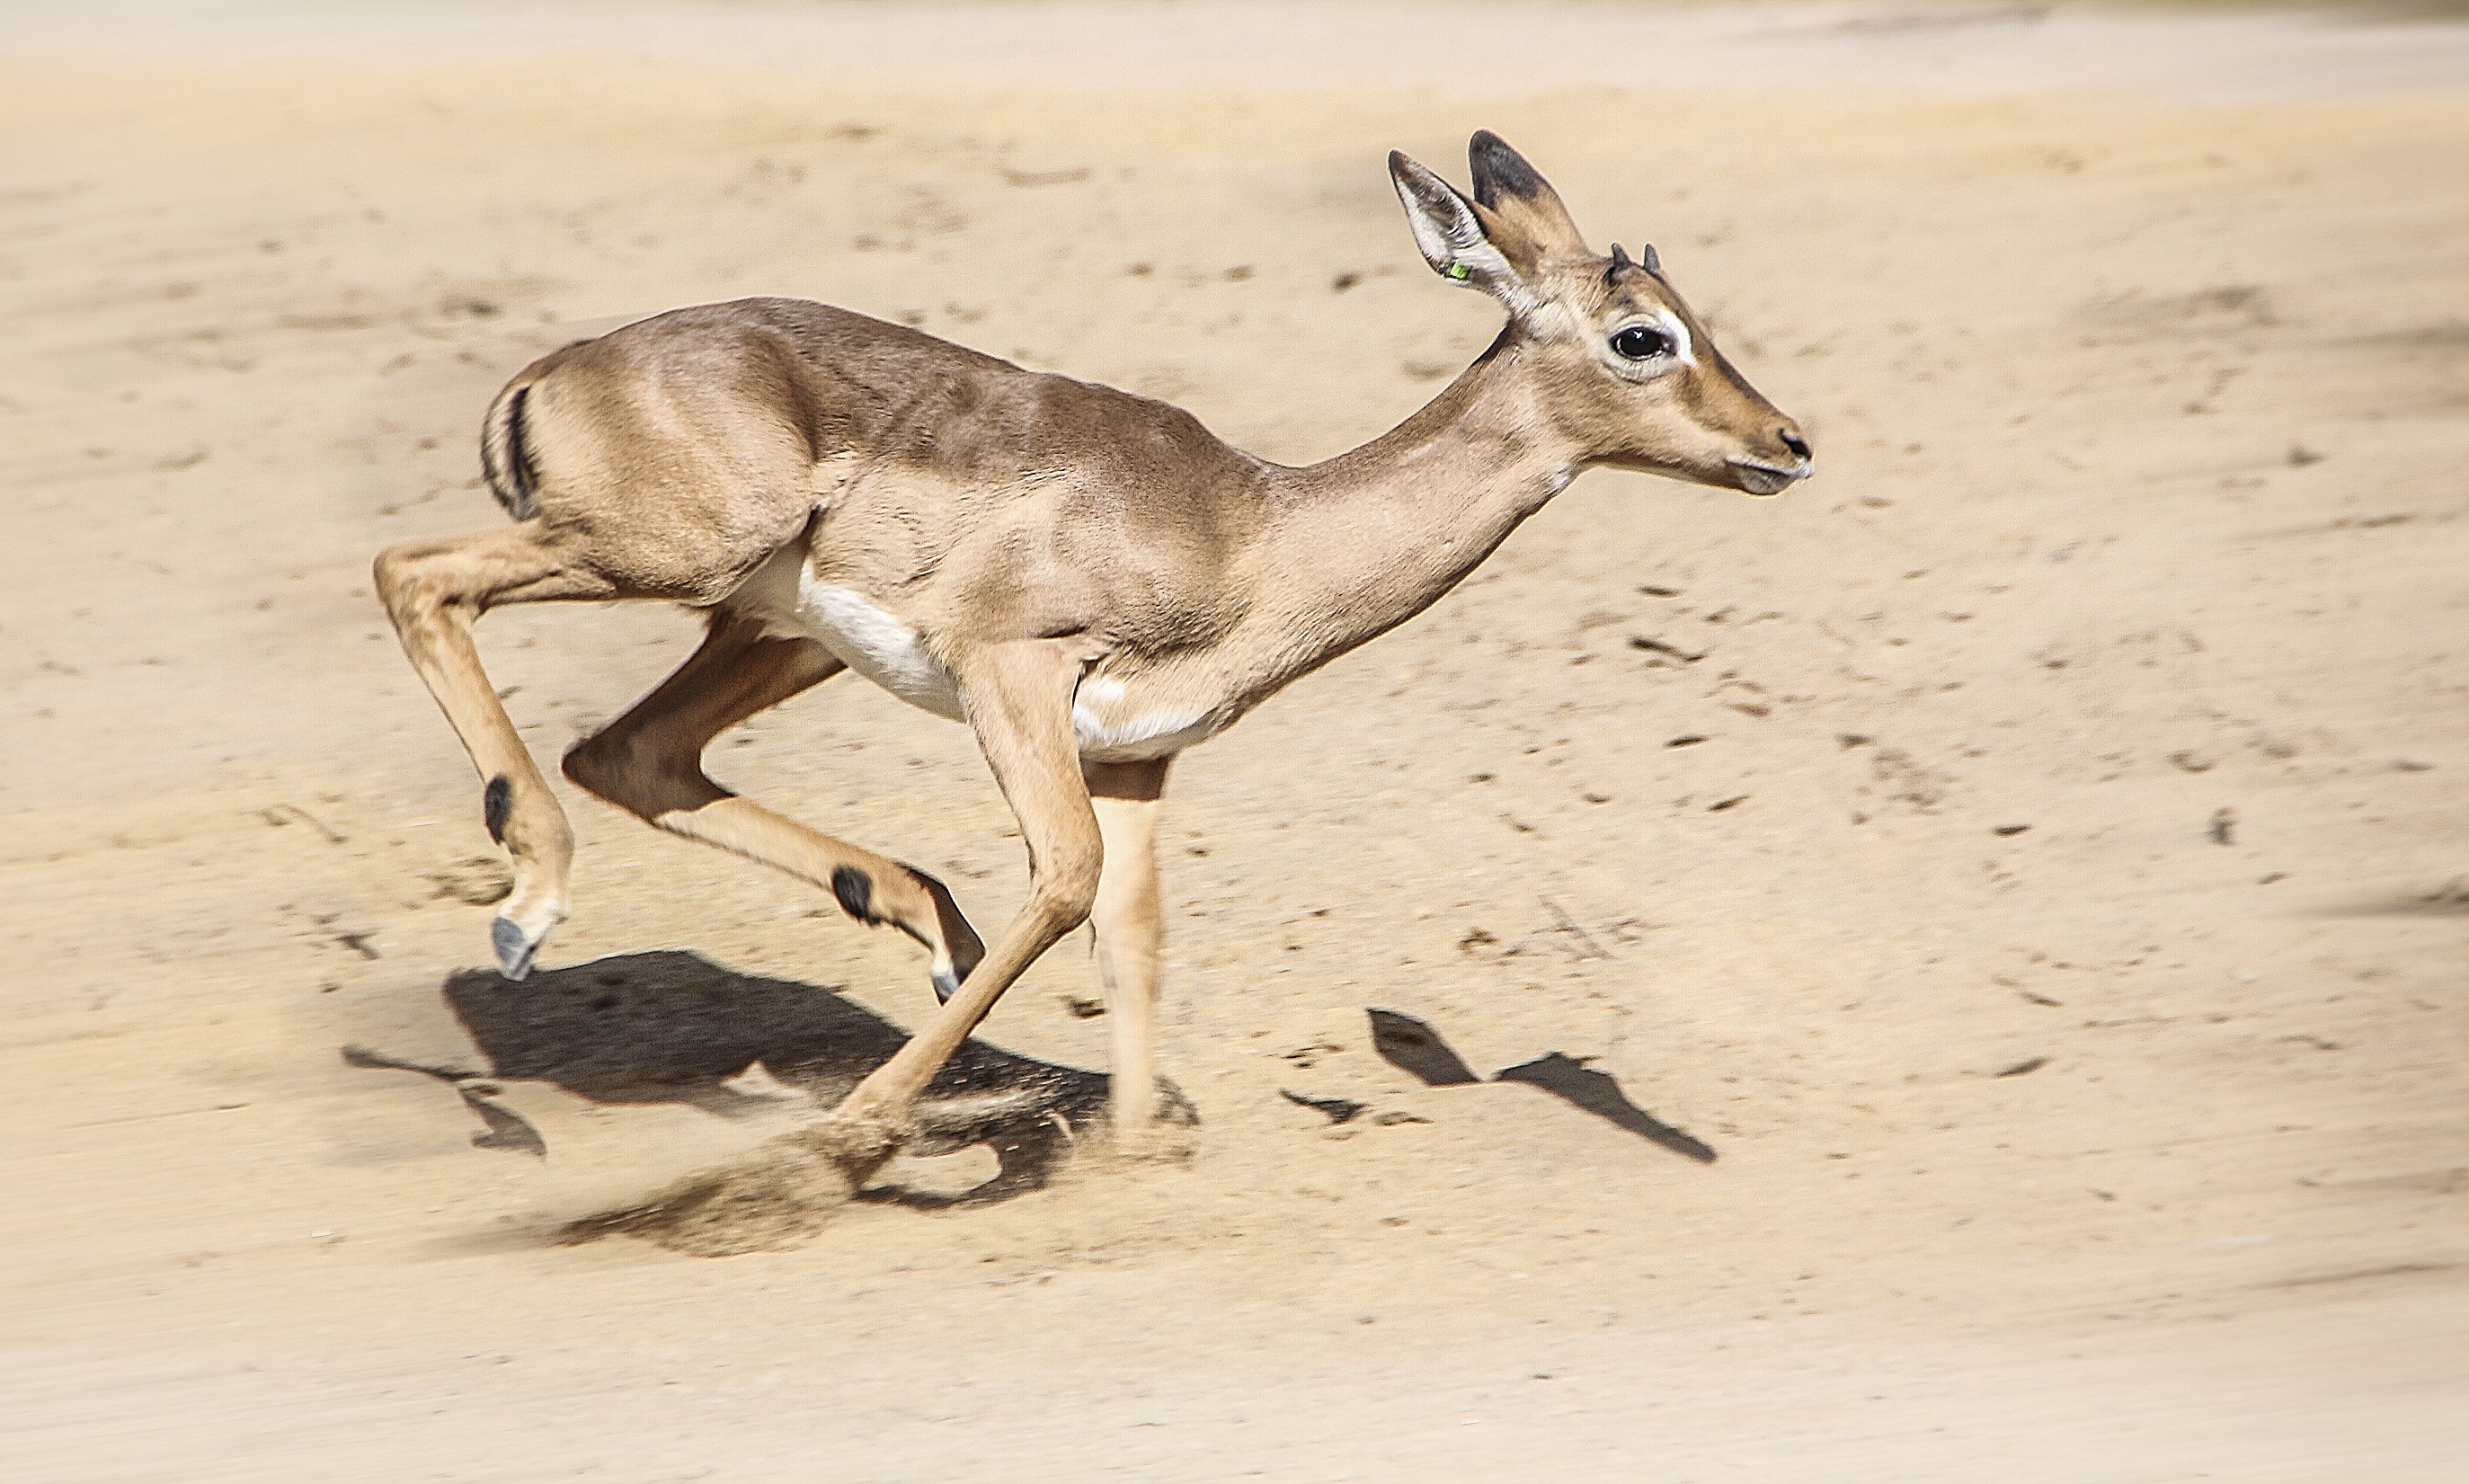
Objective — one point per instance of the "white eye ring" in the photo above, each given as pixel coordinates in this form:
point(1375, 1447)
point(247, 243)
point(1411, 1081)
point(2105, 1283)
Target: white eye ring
point(1654, 345)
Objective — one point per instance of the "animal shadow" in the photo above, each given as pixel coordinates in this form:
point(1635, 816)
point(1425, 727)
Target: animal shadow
point(674, 1027)
point(1414, 1046)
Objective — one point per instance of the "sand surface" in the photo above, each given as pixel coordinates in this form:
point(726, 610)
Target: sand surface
point(2008, 897)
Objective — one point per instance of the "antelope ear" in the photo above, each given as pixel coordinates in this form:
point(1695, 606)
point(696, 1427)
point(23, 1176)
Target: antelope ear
point(1450, 232)
point(1516, 194)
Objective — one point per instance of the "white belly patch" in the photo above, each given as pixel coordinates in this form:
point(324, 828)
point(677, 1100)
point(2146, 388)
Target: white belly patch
point(877, 645)
point(1110, 722)
point(1111, 726)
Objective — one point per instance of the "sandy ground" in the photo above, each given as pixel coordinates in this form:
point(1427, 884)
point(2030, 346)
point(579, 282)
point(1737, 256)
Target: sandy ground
point(2028, 860)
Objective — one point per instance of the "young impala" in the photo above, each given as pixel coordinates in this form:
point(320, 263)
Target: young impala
point(1088, 579)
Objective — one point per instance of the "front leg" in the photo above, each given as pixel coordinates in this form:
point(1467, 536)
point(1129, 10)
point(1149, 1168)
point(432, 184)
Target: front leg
point(1128, 929)
point(1019, 702)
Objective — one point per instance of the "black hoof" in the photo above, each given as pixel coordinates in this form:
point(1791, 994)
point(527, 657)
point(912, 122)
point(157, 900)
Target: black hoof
point(513, 950)
point(946, 984)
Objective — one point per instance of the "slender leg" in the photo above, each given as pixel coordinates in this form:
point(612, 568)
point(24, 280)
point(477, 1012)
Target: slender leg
point(1019, 700)
point(649, 762)
point(1126, 918)
point(434, 590)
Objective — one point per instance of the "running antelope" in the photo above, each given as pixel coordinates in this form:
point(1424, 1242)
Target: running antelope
point(1088, 579)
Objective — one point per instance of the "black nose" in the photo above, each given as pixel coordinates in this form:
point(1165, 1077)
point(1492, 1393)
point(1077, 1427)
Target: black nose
point(1793, 441)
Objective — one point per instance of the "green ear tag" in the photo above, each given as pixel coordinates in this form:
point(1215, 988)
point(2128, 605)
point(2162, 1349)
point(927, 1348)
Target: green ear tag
point(1456, 270)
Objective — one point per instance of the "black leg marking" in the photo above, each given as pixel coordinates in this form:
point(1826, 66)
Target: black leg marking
point(856, 891)
point(496, 802)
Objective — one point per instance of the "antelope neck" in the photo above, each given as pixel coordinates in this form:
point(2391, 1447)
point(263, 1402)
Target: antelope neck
point(1366, 539)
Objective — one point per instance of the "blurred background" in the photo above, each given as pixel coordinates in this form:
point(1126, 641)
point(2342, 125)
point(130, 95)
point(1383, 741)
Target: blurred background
point(1978, 942)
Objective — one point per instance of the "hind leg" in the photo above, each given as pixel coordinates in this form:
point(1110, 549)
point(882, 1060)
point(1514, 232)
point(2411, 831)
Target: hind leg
point(1128, 926)
point(433, 591)
point(649, 762)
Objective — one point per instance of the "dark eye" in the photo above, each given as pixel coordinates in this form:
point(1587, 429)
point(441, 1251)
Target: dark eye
point(1641, 342)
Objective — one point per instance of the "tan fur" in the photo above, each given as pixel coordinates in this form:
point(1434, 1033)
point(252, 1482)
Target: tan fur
point(1129, 929)
point(1091, 577)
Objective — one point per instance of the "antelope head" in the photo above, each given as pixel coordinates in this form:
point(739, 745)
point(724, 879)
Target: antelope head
point(1623, 368)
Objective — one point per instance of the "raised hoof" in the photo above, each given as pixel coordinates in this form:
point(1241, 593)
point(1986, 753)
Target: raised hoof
point(514, 947)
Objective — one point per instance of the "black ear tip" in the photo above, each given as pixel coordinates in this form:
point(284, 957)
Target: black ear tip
point(1498, 170)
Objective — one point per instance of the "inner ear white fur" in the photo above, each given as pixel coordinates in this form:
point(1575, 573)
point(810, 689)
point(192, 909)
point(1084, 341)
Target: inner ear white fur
point(1450, 237)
